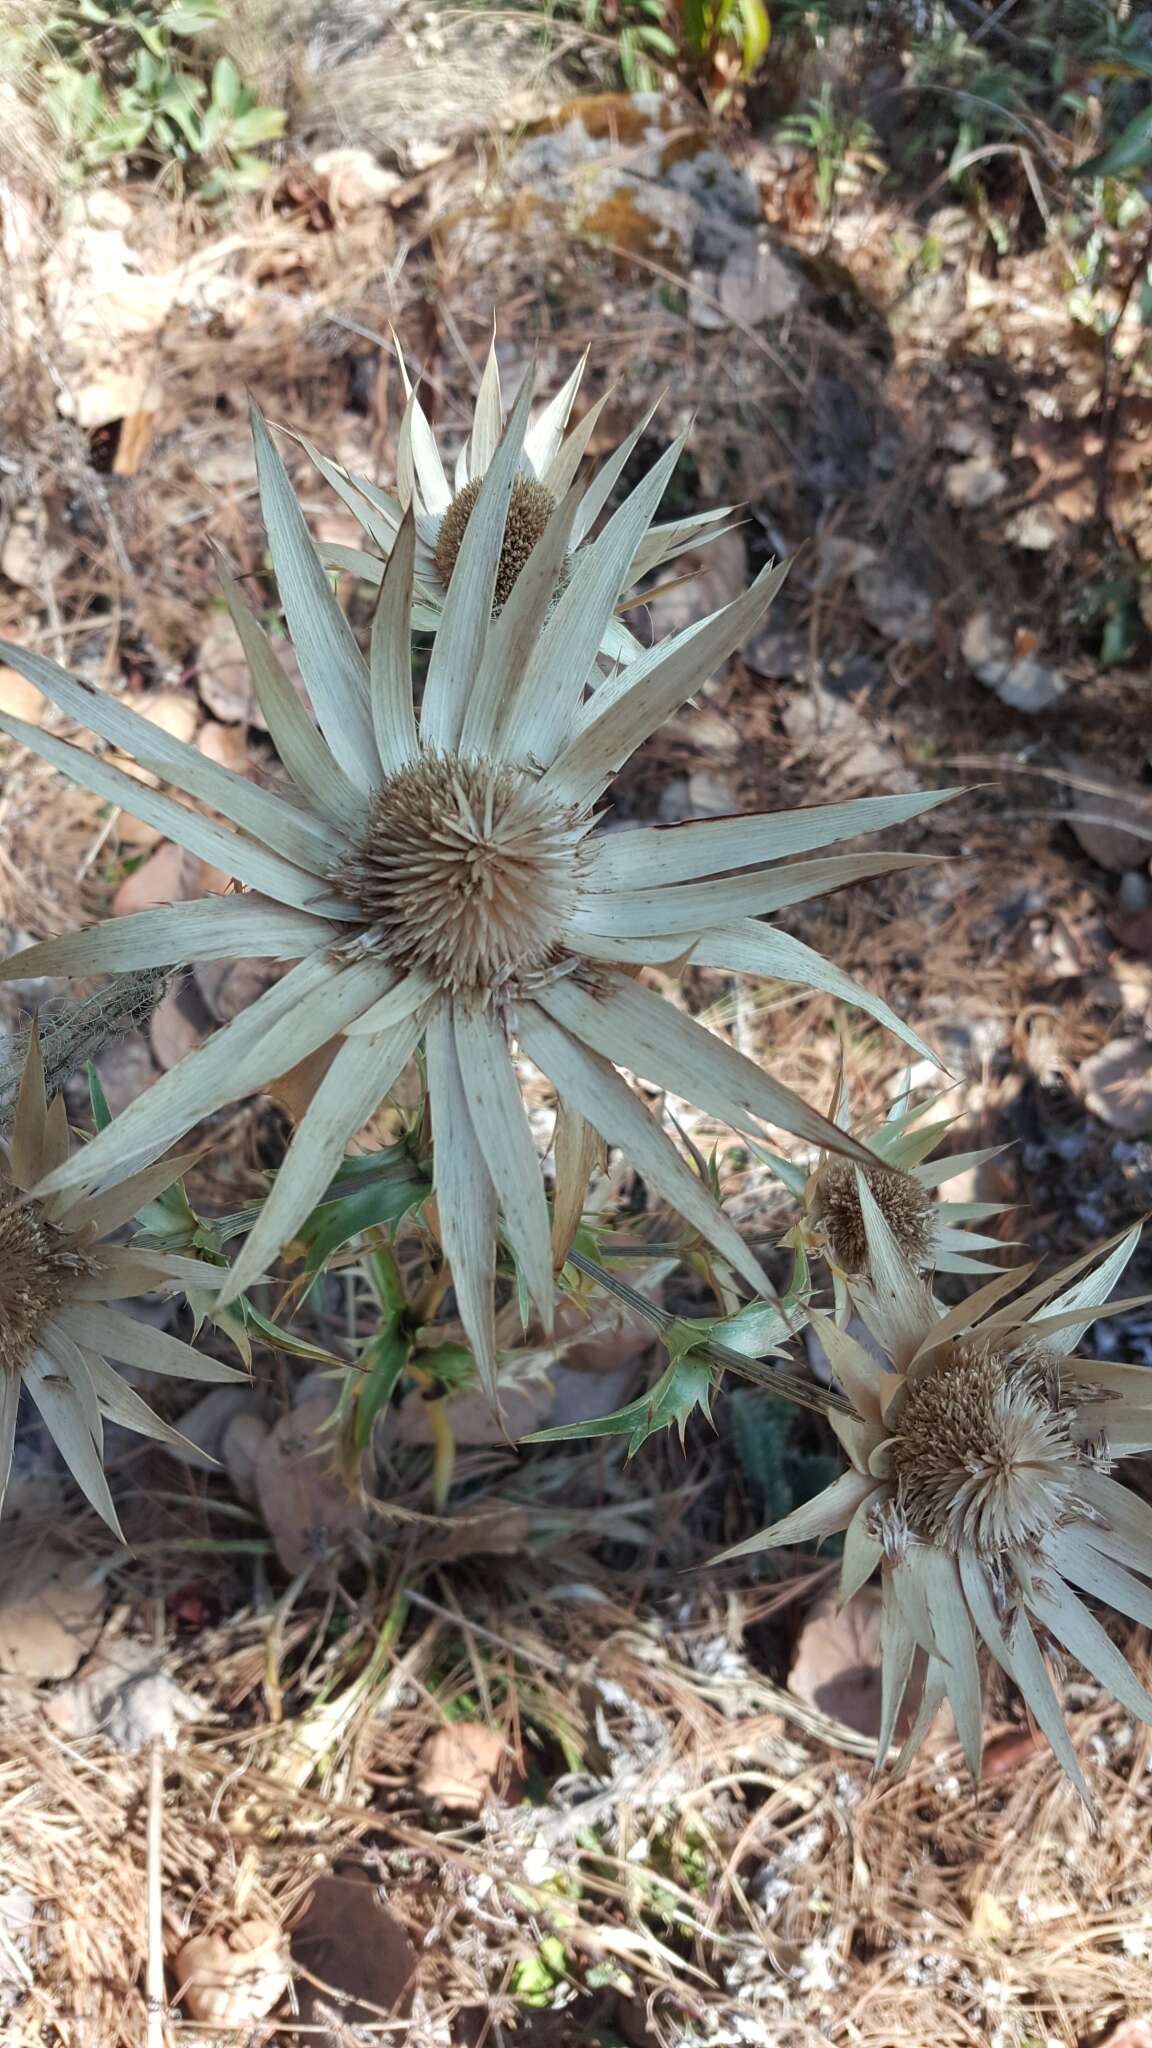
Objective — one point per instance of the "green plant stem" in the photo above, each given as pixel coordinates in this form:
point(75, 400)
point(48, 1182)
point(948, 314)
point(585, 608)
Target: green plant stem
point(786, 1386)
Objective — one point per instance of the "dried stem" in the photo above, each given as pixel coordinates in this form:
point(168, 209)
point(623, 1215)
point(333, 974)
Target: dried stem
point(74, 1036)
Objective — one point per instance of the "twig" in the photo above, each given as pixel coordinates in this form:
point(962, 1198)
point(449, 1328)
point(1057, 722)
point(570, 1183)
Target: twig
point(154, 1988)
point(154, 1984)
point(76, 1035)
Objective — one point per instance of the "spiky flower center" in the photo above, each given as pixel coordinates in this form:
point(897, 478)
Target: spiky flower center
point(468, 872)
point(529, 510)
point(983, 1457)
point(37, 1262)
point(905, 1206)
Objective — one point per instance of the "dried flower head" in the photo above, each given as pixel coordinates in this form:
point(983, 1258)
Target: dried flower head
point(934, 1235)
point(983, 1455)
point(58, 1279)
point(902, 1200)
point(530, 507)
point(439, 879)
point(544, 487)
point(466, 873)
point(979, 1487)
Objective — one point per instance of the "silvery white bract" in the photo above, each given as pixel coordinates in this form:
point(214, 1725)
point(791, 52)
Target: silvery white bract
point(58, 1280)
point(550, 457)
point(979, 1487)
point(438, 878)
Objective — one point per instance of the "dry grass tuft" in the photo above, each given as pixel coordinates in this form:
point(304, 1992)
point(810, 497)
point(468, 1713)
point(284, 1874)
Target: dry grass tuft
point(708, 1846)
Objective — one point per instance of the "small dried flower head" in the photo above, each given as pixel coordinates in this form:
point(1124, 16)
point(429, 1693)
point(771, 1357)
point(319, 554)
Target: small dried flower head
point(36, 1264)
point(905, 1205)
point(983, 1457)
point(467, 873)
point(530, 508)
point(60, 1280)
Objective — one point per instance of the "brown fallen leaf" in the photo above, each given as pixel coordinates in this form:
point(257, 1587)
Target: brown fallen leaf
point(1117, 1085)
point(205, 1425)
point(307, 1509)
point(1131, 2033)
point(1134, 932)
point(836, 1666)
point(159, 880)
point(359, 1961)
point(126, 1068)
point(234, 1978)
point(498, 1528)
point(1005, 1753)
point(988, 1921)
point(51, 1613)
point(229, 986)
point(174, 711)
point(240, 1446)
point(137, 432)
point(226, 745)
point(222, 672)
point(20, 698)
point(472, 1418)
point(180, 1023)
point(293, 1091)
point(461, 1766)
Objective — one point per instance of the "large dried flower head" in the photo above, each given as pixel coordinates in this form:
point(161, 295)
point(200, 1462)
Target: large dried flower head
point(979, 1487)
point(982, 1453)
point(438, 878)
point(442, 497)
point(59, 1332)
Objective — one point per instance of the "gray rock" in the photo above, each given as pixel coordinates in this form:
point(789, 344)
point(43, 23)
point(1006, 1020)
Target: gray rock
point(693, 212)
point(1036, 527)
point(1134, 893)
point(975, 482)
point(711, 794)
point(853, 750)
point(777, 651)
point(1112, 823)
point(1117, 1085)
point(894, 605)
point(1030, 685)
point(1020, 681)
point(757, 284)
point(704, 308)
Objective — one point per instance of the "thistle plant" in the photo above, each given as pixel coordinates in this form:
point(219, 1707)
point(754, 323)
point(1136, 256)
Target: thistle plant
point(60, 1272)
point(439, 880)
point(436, 879)
point(978, 1485)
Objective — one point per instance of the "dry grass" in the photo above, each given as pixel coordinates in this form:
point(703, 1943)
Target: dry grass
point(714, 1850)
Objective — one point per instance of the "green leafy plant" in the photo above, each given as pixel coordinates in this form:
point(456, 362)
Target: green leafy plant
point(727, 40)
point(121, 84)
point(841, 142)
point(717, 44)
